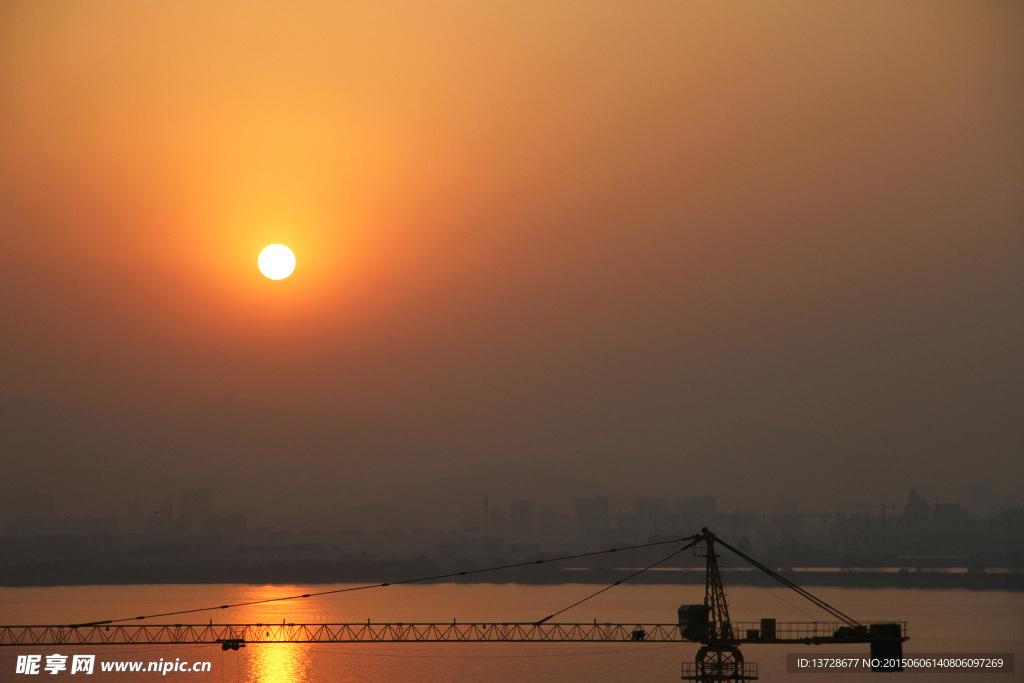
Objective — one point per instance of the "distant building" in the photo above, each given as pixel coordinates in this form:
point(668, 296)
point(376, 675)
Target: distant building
point(652, 514)
point(690, 514)
point(521, 521)
point(197, 503)
point(917, 510)
point(979, 499)
point(593, 517)
point(162, 526)
point(224, 528)
point(593, 514)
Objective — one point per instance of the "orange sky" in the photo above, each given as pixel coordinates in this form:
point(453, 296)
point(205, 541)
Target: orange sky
point(524, 228)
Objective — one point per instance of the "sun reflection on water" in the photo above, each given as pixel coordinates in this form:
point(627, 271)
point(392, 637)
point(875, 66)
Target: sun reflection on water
point(279, 663)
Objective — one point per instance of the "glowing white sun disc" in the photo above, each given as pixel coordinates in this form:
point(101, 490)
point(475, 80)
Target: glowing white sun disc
point(276, 262)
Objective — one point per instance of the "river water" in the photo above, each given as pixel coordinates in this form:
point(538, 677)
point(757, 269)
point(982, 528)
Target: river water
point(940, 622)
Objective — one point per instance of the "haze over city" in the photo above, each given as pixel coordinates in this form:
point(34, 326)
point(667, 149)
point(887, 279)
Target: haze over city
point(758, 252)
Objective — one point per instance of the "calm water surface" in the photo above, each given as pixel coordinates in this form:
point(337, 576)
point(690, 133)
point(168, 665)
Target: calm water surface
point(953, 621)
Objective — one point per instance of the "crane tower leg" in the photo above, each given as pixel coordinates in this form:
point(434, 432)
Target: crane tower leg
point(718, 664)
point(718, 659)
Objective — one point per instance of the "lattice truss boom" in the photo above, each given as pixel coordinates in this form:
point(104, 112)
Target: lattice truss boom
point(786, 632)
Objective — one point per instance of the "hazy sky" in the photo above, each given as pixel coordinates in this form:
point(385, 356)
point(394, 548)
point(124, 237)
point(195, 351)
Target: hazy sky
point(528, 231)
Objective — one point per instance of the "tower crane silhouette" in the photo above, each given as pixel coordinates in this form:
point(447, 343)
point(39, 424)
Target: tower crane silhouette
point(719, 657)
point(708, 623)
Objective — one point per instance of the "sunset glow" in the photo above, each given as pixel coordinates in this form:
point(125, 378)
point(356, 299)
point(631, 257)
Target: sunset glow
point(526, 232)
point(380, 294)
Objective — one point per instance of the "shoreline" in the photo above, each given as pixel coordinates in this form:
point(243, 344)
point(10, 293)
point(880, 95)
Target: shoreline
point(53, 574)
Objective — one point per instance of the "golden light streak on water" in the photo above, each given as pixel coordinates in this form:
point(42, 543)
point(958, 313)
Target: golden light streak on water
point(279, 663)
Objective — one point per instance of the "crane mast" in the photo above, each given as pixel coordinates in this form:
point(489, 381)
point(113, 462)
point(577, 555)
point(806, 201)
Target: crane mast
point(718, 658)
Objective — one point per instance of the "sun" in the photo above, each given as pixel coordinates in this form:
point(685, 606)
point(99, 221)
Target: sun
point(276, 261)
